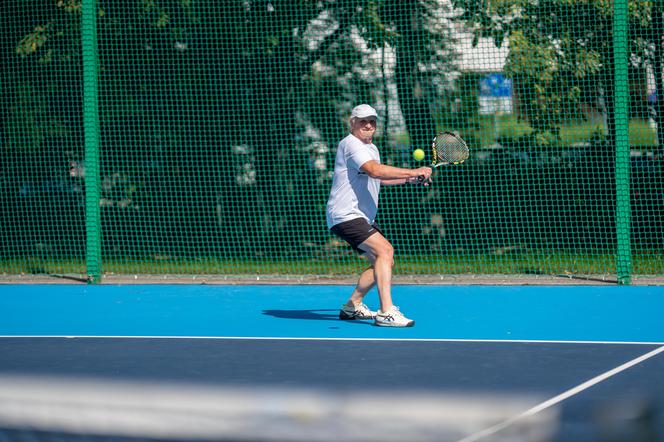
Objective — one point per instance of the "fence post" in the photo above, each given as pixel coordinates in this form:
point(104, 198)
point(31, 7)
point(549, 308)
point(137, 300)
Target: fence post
point(623, 209)
point(91, 129)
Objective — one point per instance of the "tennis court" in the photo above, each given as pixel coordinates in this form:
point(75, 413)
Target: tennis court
point(268, 362)
point(168, 167)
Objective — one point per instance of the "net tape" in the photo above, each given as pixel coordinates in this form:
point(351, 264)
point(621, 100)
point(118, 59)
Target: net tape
point(167, 411)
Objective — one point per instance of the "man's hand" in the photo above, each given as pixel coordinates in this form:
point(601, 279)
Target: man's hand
point(423, 176)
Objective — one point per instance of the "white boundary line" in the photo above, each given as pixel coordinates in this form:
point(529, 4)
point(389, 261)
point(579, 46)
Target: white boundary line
point(294, 338)
point(561, 397)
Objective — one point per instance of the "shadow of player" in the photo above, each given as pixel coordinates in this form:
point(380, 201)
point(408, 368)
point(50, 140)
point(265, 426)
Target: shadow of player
point(319, 315)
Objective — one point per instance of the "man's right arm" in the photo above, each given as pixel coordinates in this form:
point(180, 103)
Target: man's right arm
point(384, 172)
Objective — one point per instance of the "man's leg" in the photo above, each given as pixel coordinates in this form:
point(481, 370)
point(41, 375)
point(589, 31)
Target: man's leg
point(355, 308)
point(366, 282)
point(382, 252)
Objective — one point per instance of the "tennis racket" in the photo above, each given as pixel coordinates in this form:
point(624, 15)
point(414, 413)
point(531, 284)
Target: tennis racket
point(447, 149)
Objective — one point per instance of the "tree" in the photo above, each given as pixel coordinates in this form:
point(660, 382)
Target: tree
point(40, 127)
point(424, 57)
point(561, 52)
point(209, 109)
point(647, 38)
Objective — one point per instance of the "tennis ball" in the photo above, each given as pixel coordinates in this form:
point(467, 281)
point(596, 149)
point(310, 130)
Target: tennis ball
point(418, 154)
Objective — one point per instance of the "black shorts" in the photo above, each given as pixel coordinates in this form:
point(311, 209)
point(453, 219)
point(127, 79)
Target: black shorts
point(356, 231)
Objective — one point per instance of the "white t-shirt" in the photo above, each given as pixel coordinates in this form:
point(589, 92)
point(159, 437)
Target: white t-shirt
point(354, 194)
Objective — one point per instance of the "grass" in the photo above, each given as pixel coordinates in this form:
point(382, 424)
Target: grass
point(640, 133)
point(501, 126)
point(534, 263)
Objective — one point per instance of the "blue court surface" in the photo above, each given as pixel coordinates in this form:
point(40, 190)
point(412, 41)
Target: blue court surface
point(226, 362)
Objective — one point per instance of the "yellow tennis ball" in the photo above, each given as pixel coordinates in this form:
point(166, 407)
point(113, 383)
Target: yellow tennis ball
point(418, 154)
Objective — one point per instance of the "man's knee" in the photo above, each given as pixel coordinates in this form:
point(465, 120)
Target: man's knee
point(378, 248)
point(386, 252)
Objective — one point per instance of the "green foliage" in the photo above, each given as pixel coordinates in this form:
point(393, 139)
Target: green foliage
point(561, 52)
point(71, 6)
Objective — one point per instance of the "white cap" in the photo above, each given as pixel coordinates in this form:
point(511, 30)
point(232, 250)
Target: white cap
point(363, 111)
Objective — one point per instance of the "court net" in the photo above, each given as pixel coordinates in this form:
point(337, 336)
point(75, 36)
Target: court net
point(67, 409)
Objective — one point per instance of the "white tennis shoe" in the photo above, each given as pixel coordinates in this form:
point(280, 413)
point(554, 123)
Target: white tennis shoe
point(392, 318)
point(360, 311)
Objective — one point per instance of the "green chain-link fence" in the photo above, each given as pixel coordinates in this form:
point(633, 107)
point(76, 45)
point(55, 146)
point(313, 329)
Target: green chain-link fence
point(198, 137)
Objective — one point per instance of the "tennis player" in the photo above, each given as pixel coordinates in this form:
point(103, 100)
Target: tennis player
point(351, 215)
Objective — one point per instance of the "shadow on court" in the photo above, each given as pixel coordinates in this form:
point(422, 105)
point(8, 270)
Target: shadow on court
point(320, 315)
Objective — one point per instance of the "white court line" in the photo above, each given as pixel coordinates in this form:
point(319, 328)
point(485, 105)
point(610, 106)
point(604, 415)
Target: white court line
point(561, 397)
point(294, 338)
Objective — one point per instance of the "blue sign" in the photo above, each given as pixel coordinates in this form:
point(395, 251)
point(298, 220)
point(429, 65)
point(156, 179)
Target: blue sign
point(495, 85)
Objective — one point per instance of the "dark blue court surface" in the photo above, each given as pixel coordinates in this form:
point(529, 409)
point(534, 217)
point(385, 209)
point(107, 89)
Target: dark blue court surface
point(184, 362)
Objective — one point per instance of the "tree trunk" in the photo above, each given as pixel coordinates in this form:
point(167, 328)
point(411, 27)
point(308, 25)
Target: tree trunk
point(410, 89)
point(658, 28)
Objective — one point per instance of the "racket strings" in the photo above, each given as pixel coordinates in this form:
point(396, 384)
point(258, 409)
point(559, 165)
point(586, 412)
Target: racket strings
point(450, 149)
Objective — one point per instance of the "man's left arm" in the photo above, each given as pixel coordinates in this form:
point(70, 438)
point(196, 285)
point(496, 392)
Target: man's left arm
point(400, 181)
